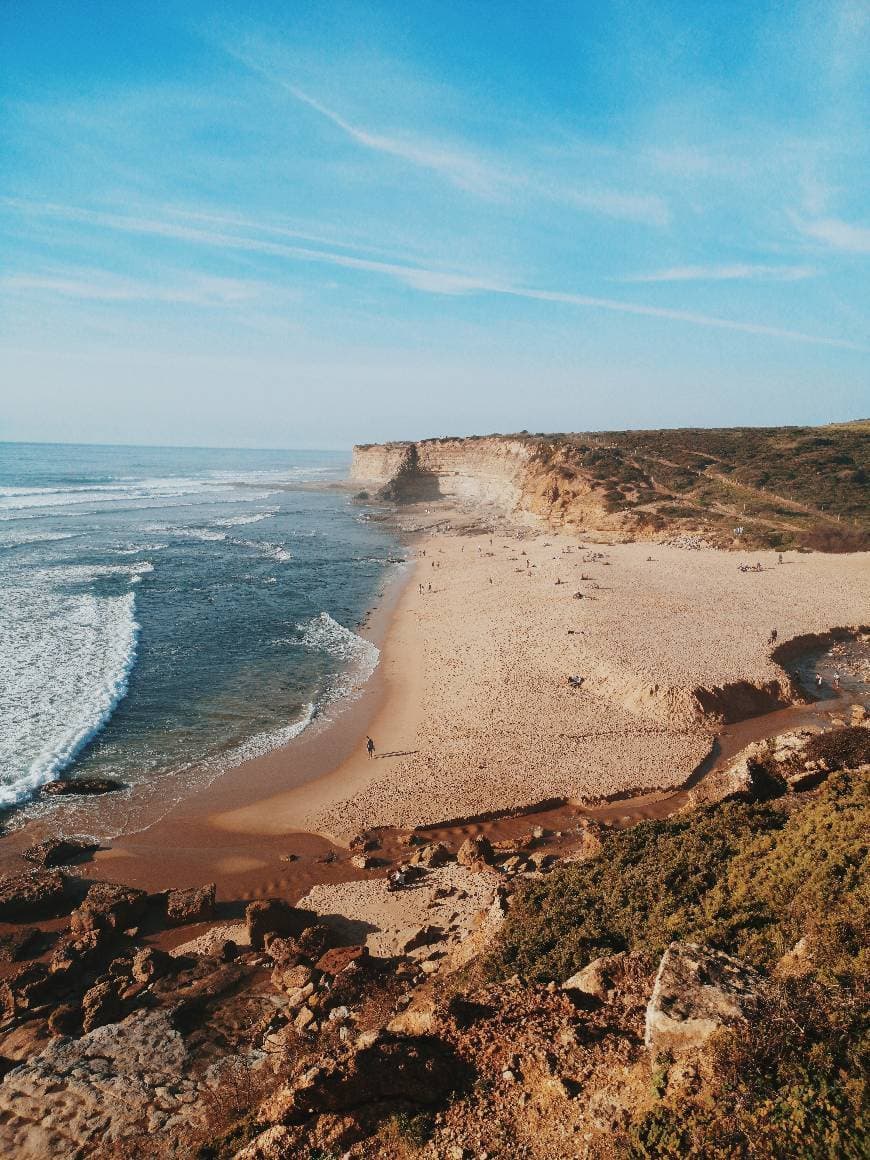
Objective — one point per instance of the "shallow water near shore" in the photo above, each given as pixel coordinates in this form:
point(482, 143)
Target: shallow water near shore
point(169, 612)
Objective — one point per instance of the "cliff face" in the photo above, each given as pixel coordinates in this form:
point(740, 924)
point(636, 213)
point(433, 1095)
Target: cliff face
point(511, 474)
point(735, 487)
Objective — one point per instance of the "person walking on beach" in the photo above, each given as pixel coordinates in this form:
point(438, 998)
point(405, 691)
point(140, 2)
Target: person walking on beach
point(773, 636)
point(370, 747)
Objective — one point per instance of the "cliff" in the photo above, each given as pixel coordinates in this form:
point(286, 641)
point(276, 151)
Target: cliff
point(782, 487)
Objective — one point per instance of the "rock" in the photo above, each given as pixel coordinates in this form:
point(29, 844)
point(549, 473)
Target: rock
point(83, 1097)
point(418, 936)
point(365, 842)
point(746, 779)
point(304, 1019)
point(596, 978)
point(65, 1020)
point(696, 991)
point(151, 963)
point(433, 855)
point(19, 943)
point(364, 862)
point(100, 1005)
point(195, 904)
point(83, 785)
point(474, 851)
point(108, 906)
point(27, 988)
point(339, 959)
point(276, 1143)
point(79, 952)
point(33, 894)
point(415, 1021)
point(58, 851)
point(380, 1067)
point(292, 978)
point(274, 916)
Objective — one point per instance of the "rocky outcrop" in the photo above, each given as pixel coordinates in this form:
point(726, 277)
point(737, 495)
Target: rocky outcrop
point(37, 894)
point(118, 1082)
point(108, 906)
point(697, 990)
point(58, 852)
point(273, 916)
point(195, 904)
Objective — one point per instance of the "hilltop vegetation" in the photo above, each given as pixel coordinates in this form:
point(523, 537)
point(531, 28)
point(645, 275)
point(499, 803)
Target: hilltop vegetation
point(787, 487)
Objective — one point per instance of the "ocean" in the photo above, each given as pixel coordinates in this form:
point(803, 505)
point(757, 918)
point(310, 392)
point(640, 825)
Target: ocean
point(166, 613)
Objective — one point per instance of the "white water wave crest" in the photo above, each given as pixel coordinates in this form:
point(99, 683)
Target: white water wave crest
point(237, 521)
point(359, 656)
point(64, 673)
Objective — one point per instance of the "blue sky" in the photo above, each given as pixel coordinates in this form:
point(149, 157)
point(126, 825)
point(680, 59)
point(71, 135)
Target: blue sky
point(294, 224)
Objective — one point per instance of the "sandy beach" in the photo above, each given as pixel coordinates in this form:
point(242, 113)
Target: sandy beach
point(478, 715)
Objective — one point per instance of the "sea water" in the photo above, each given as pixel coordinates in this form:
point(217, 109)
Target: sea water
point(168, 610)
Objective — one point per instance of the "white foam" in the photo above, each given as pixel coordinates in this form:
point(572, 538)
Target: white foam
point(237, 521)
point(24, 539)
point(262, 743)
point(360, 656)
point(64, 673)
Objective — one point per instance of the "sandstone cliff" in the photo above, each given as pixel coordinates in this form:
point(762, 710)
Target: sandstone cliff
point(784, 487)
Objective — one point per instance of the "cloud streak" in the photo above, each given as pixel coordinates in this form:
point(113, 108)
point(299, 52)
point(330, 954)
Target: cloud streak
point(737, 272)
point(421, 278)
point(838, 234)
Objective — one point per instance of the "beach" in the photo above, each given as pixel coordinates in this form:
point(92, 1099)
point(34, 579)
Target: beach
point(471, 709)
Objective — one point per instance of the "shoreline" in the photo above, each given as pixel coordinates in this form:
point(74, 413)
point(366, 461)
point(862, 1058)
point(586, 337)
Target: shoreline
point(308, 797)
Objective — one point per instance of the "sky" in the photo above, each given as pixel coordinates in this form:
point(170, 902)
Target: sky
point(294, 224)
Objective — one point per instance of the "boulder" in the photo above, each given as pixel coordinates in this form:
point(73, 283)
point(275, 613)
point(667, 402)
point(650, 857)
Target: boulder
point(65, 1020)
point(195, 904)
point(100, 1005)
point(433, 855)
point(339, 958)
point(276, 1143)
point(151, 963)
point(34, 894)
point(697, 990)
point(58, 851)
point(19, 943)
point(474, 851)
point(596, 978)
point(364, 862)
point(274, 916)
point(83, 951)
point(83, 786)
point(109, 906)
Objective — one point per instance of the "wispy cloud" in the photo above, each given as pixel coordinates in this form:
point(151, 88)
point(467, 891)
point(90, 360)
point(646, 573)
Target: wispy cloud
point(466, 170)
point(98, 286)
point(737, 272)
point(426, 279)
point(838, 234)
point(463, 169)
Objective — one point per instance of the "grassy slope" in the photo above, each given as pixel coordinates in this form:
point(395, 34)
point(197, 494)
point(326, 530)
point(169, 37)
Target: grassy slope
point(751, 880)
point(787, 486)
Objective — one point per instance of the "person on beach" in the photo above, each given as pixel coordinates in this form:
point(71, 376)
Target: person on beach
point(370, 747)
point(837, 682)
point(818, 680)
point(773, 635)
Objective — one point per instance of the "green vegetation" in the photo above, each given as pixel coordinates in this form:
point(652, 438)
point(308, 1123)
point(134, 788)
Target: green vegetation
point(788, 487)
point(752, 880)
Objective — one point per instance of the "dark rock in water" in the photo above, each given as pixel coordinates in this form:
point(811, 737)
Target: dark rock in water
point(83, 785)
point(33, 894)
point(193, 905)
point(20, 944)
point(274, 916)
point(108, 906)
point(58, 851)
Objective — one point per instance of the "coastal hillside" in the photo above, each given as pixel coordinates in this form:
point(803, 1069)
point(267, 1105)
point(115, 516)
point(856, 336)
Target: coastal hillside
point(785, 487)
